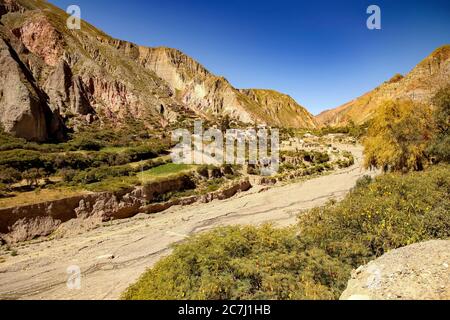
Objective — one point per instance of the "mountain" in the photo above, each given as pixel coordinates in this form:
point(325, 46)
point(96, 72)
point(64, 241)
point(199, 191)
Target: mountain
point(278, 109)
point(54, 79)
point(420, 85)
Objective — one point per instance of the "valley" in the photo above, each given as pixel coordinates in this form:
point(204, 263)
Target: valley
point(89, 181)
point(115, 254)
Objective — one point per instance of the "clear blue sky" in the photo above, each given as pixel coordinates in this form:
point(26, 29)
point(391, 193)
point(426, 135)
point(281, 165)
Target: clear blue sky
point(319, 52)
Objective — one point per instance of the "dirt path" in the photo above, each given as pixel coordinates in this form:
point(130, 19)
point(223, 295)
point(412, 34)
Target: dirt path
point(39, 269)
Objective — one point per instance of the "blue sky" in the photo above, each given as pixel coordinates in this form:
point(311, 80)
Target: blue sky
point(319, 52)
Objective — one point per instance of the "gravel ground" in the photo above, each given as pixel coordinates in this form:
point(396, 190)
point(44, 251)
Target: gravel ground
point(417, 272)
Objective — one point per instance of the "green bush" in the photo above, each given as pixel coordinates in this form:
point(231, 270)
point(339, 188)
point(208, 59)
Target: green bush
point(392, 211)
point(313, 259)
point(9, 175)
point(86, 144)
point(364, 181)
point(98, 174)
point(351, 129)
point(203, 171)
point(3, 190)
point(33, 175)
point(440, 146)
point(320, 157)
point(21, 159)
point(68, 175)
point(242, 263)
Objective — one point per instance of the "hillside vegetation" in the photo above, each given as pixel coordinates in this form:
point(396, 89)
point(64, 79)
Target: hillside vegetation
point(405, 135)
point(410, 203)
point(313, 259)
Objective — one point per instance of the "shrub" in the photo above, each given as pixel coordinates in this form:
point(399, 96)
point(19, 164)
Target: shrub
point(143, 152)
point(313, 259)
point(86, 144)
point(393, 211)
point(242, 263)
point(68, 175)
point(32, 176)
point(363, 182)
point(21, 159)
point(227, 169)
point(320, 157)
point(9, 175)
point(203, 171)
point(98, 174)
point(440, 146)
point(398, 136)
point(286, 167)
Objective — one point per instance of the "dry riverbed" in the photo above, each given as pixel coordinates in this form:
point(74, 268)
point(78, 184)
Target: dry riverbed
point(114, 255)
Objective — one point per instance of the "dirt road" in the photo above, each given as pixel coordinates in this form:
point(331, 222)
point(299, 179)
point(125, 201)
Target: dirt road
point(115, 255)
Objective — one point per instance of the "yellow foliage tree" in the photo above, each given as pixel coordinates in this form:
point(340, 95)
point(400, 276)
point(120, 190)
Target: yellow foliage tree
point(398, 136)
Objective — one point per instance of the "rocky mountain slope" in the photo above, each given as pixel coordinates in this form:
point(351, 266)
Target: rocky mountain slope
point(54, 78)
point(279, 109)
point(420, 85)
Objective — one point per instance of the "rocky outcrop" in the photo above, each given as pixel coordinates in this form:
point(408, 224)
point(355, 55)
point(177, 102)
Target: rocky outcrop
point(28, 222)
point(84, 74)
point(41, 38)
point(420, 85)
point(194, 86)
point(416, 272)
point(207, 94)
point(23, 110)
point(67, 92)
point(24, 223)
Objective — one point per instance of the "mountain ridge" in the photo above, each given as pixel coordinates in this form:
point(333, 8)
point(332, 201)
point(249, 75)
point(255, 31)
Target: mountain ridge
point(86, 76)
point(420, 84)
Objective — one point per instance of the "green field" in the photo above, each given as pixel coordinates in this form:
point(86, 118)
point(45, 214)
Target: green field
point(165, 170)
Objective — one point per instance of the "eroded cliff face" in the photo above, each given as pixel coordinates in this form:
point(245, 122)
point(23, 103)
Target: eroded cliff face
point(84, 211)
point(41, 38)
point(24, 111)
point(194, 86)
point(420, 85)
point(84, 75)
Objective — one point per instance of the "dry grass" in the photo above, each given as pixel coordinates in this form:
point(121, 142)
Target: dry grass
point(38, 196)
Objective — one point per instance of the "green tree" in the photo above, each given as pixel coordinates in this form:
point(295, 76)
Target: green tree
point(398, 136)
point(9, 176)
point(32, 176)
point(440, 147)
point(3, 190)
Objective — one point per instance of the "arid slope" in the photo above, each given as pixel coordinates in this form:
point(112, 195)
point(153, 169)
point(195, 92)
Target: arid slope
point(420, 85)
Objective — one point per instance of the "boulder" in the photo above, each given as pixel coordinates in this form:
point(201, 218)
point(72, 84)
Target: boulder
point(417, 272)
point(22, 111)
